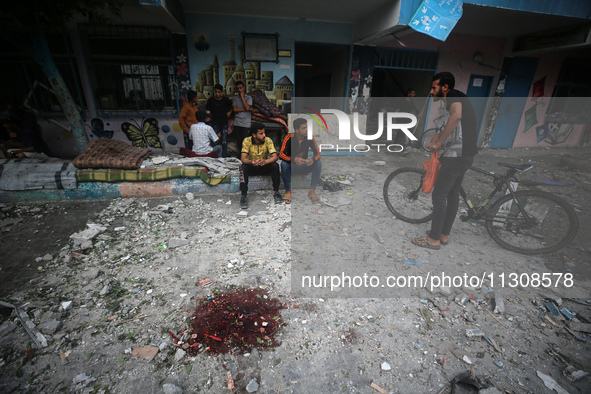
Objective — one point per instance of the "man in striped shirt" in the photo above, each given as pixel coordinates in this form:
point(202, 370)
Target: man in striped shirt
point(294, 153)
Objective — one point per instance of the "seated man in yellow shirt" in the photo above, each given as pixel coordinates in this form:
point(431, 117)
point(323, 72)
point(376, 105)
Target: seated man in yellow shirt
point(258, 157)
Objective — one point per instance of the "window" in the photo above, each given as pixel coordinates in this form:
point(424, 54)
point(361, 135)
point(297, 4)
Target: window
point(572, 94)
point(24, 83)
point(131, 70)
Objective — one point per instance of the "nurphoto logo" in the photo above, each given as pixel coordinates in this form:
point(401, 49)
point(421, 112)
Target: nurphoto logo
point(344, 132)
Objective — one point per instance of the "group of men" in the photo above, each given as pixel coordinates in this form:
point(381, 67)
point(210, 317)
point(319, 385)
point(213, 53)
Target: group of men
point(259, 157)
point(457, 143)
point(223, 116)
point(257, 151)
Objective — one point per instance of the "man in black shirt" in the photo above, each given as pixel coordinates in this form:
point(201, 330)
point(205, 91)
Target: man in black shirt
point(294, 156)
point(457, 142)
point(219, 108)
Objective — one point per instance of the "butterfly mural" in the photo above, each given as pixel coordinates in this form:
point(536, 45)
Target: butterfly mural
point(98, 129)
point(145, 136)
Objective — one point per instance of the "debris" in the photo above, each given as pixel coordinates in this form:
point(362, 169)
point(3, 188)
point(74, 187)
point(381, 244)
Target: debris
point(490, 390)
point(135, 318)
point(331, 186)
point(242, 214)
point(147, 352)
point(189, 196)
point(429, 318)
point(83, 378)
point(177, 242)
point(466, 378)
point(170, 388)
point(581, 327)
point(498, 363)
point(64, 355)
point(499, 303)
point(205, 282)
point(474, 334)
point(467, 360)
point(568, 314)
point(551, 383)
point(50, 326)
point(378, 388)
point(119, 228)
point(386, 366)
point(572, 374)
point(503, 324)
point(105, 290)
point(580, 338)
point(180, 354)
point(552, 308)
point(415, 262)
point(230, 381)
point(493, 343)
point(379, 163)
point(38, 339)
point(252, 386)
point(8, 222)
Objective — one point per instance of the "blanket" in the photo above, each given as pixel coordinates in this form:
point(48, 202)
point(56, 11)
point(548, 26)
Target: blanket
point(151, 174)
point(107, 153)
point(33, 174)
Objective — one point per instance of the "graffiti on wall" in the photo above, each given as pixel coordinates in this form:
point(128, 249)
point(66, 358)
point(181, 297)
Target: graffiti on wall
point(144, 133)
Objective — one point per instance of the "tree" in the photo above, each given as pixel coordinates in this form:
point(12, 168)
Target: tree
point(31, 19)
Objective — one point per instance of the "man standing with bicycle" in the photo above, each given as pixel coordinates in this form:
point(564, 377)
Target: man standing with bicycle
point(457, 143)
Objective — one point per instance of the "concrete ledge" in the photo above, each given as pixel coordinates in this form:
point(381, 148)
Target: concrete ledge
point(107, 191)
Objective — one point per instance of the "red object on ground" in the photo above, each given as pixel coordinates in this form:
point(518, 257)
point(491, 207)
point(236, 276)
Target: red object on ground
point(234, 320)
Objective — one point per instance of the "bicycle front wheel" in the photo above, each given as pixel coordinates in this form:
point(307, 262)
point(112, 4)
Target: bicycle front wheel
point(404, 196)
point(534, 222)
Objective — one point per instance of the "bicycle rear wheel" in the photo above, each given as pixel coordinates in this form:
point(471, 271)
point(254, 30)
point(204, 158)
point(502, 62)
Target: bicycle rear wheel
point(540, 223)
point(404, 196)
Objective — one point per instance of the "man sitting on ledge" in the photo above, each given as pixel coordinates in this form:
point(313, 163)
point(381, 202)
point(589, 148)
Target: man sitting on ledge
point(294, 153)
point(258, 157)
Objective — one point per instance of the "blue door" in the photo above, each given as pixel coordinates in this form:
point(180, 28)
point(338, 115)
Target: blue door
point(479, 89)
point(520, 77)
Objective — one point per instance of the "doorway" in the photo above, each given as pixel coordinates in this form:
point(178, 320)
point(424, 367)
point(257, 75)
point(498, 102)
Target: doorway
point(320, 70)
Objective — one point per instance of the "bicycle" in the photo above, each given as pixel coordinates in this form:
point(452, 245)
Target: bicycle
point(526, 221)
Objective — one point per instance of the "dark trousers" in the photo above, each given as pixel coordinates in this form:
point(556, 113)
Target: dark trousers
point(446, 194)
point(247, 170)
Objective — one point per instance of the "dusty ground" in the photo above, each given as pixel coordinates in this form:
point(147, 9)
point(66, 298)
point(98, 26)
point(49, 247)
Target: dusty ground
point(341, 341)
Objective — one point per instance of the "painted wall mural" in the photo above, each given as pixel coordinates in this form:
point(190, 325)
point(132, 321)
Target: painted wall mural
point(230, 72)
point(361, 79)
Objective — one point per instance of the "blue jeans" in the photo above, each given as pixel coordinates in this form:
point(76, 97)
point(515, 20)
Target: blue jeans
point(288, 169)
point(446, 194)
point(223, 139)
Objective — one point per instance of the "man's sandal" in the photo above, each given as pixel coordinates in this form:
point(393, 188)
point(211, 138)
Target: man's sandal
point(442, 242)
point(423, 242)
point(287, 197)
point(313, 197)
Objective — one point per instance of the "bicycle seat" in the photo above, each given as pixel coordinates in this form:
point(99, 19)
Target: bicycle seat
point(520, 167)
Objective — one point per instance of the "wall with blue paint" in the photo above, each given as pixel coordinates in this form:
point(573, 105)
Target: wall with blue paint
point(210, 35)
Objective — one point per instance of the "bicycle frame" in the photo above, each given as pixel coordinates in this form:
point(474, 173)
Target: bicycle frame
point(501, 182)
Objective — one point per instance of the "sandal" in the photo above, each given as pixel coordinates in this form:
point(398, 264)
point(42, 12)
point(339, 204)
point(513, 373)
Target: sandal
point(442, 242)
point(423, 242)
point(287, 197)
point(313, 197)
